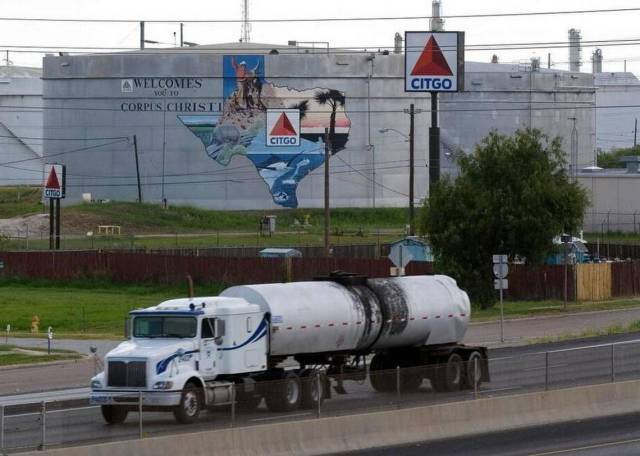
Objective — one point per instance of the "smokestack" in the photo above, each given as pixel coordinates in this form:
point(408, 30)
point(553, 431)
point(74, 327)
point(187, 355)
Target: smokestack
point(574, 50)
point(436, 24)
point(397, 44)
point(596, 61)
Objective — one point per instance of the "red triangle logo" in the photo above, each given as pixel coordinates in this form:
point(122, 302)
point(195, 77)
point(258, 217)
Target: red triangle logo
point(431, 62)
point(283, 127)
point(52, 180)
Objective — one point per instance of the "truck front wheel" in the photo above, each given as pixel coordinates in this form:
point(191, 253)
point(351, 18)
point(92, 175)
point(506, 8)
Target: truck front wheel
point(114, 414)
point(191, 403)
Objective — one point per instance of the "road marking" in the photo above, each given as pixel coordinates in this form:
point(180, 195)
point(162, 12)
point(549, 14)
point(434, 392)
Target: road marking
point(279, 417)
point(501, 389)
point(590, 447)
point(551, 366)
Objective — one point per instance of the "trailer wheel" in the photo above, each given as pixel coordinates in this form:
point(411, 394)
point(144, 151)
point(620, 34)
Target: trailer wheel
point(382, 380)
point(454, 373)
point(284, 395)
point(311, 394)
point(473, 371)
point(114, 414)
point(190, 405)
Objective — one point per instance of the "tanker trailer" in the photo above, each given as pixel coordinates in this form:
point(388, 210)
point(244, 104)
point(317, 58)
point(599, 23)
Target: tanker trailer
point(351, 325)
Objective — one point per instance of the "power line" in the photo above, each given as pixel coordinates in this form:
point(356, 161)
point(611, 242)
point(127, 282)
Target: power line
point(36, 48)
point(323, 19)
point(352, 111)
point(59, 153)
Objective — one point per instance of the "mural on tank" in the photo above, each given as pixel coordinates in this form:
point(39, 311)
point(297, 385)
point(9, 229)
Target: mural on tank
point(240, 129)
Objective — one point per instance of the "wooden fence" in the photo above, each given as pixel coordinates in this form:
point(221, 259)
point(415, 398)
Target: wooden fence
point(526, 282)
point(142, 267)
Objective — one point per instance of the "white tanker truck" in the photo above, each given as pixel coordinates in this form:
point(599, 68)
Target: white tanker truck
point(187, 354)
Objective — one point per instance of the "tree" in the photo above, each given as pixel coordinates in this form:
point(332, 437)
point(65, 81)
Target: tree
point(333, 98)
point(512, 196)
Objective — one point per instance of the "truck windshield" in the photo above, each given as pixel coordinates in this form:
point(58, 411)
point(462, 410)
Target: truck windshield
point(157, 326)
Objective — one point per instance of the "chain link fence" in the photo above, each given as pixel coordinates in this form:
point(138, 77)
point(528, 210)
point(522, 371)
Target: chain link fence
point(314, 393)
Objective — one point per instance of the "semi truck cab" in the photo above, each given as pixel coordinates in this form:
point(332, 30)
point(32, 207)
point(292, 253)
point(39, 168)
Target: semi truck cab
point(182, 355)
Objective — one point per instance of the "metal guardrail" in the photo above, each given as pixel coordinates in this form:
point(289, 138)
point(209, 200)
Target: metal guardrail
point(46, 424)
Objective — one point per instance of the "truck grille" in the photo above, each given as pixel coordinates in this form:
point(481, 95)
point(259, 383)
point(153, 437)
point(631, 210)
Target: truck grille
point(132, 373)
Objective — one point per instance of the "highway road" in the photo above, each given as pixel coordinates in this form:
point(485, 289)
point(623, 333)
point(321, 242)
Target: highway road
point(611, 436)
point(513, 370)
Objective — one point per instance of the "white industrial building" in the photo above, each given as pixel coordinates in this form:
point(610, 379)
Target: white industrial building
point(20, 125)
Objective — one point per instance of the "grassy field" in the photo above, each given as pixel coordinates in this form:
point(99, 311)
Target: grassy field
point(81, 308)
point(182, 240)
point(98, 309)
point(11, 355)
point(21, 200)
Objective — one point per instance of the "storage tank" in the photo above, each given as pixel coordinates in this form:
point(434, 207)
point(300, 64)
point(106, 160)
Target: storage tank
point(325, 316)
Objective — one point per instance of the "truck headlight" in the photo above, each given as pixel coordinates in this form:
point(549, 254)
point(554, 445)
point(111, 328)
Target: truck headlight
point(162, 385)
point(96, 384)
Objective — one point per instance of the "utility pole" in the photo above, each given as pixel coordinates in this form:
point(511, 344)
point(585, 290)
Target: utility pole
point(327, 221)
point(141, 34)
point(434, 145)
point(635, 133)
point(135, 151)
point(411, 171)
point(181, 34)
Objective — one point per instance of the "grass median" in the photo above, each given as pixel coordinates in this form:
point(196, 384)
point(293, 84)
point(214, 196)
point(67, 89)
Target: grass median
point(12, 355)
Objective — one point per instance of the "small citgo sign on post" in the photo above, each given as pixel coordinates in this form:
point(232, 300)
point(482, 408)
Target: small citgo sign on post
point(54, 181)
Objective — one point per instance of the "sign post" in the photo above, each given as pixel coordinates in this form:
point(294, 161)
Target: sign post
point(54, 190)
point(434, 62)
point(500, 270)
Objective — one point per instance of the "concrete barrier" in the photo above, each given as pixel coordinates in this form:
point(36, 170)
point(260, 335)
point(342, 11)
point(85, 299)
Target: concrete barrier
point(354, 432)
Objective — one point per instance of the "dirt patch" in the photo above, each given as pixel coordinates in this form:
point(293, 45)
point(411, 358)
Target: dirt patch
point(30, 225)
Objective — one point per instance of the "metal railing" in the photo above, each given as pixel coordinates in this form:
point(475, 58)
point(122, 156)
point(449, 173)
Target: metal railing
point(59, 423)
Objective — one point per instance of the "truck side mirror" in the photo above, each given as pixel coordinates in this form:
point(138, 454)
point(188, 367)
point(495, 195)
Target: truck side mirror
point(218, 329)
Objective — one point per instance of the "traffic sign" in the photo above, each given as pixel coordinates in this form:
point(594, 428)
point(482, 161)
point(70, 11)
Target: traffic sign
point(400, 255)
point(500, 284)
point(500, 259)
point(500, 270)
point(55, 181)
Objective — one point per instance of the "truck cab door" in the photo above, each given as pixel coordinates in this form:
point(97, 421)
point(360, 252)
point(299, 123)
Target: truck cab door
point(208, 348)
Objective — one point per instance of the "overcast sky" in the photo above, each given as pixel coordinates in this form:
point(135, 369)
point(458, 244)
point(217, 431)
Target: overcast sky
point(598, 26)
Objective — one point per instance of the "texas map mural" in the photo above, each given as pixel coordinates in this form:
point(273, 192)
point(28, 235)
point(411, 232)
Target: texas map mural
point(240, 129)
